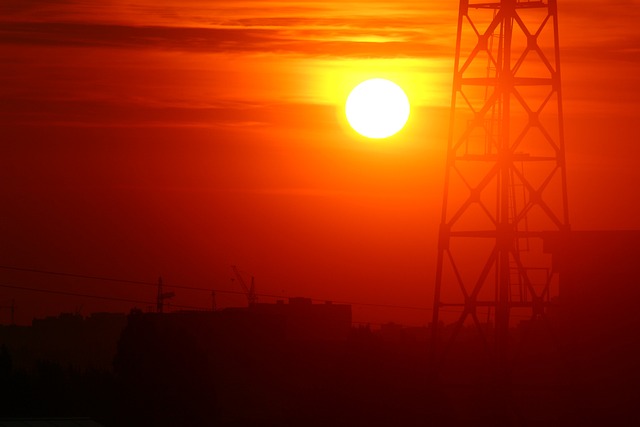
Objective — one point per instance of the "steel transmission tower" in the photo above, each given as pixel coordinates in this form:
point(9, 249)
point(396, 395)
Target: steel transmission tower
point(505, 183)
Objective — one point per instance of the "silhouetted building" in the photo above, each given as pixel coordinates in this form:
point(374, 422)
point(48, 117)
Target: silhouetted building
point(44, 422)
point(303, 320)
point(599, 277)
point(242, 364)
point(68, 339)
point(599, 320)
point(299, 320)
point(395, 333)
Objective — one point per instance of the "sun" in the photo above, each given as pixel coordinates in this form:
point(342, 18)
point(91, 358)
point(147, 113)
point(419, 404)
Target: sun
point(377, 108)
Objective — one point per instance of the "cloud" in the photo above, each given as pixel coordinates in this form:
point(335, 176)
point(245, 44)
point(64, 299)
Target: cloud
point(600, 31)
point(103, 112)
point(367, 29)
point(346, 42)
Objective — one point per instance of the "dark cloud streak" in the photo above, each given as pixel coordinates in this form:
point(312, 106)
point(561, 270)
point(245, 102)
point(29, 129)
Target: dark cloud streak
point(242, 39)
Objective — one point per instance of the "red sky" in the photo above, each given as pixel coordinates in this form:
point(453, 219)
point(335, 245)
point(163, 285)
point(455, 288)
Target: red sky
point(178, 138)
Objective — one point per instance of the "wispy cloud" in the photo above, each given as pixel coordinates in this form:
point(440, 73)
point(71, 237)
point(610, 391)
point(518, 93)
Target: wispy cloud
point(371, 29)
point(88, 58)
point(123, 63)
point(330, 42)
point(600, 31)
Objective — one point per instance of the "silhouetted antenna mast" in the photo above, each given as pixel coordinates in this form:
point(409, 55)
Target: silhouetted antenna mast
point(12, 310)
point(162, 296)
point(505, 182)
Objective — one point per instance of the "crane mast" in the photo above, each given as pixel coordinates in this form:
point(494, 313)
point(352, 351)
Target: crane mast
point(249, 291)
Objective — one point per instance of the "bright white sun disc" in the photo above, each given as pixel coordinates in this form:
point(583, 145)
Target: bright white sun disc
point(377, 108)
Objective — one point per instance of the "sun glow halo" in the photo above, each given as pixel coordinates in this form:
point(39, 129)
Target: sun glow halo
point(377, 108)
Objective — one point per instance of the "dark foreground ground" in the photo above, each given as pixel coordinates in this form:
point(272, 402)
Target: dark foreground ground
point(166, 374)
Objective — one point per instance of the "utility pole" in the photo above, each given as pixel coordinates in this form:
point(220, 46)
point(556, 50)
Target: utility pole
point(505, 179)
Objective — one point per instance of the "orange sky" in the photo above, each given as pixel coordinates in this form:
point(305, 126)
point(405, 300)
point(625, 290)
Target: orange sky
point(177, 138)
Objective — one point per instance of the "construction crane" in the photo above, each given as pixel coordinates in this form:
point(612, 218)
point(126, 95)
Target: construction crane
point(250, 291)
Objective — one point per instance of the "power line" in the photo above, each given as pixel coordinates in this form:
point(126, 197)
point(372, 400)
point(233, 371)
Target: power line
point(100, 297)
point(191, 307)
point(196, 288)
point(118, 280)
point(80, 276)
point(134, 301)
